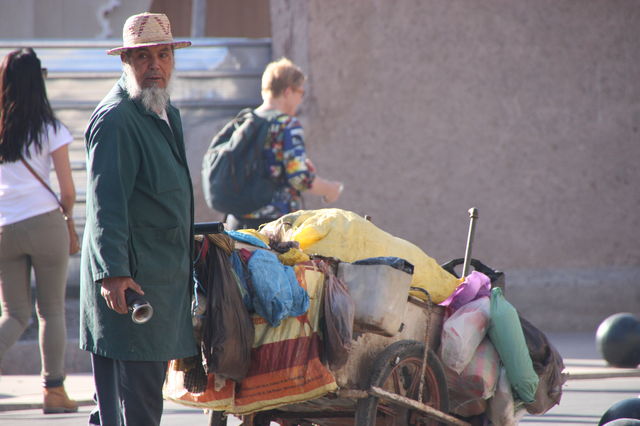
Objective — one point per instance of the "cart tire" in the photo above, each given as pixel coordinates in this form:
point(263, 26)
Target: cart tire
point(217, 418)
point(397, 370)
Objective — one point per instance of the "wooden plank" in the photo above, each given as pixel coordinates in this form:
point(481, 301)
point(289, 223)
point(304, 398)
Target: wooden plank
point(590, 374)
point(415, 405)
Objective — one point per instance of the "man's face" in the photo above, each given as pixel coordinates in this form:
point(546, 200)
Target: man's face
point(152, 66)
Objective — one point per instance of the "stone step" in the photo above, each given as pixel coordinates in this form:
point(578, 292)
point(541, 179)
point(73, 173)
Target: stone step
point(71, 91)
point(206, 55)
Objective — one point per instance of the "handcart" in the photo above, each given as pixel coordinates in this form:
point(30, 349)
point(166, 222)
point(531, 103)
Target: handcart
point(397, 380)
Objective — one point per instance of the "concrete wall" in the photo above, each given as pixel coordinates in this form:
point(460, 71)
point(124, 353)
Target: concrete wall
point(529, 111)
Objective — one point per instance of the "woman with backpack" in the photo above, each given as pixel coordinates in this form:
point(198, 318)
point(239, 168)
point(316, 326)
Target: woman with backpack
point(284, 151)
point(33, 232)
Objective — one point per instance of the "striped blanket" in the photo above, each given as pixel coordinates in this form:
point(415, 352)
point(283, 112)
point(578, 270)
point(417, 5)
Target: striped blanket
point(285, 362)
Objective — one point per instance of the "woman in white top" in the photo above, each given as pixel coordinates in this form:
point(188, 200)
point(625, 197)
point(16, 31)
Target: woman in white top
point(33, 233)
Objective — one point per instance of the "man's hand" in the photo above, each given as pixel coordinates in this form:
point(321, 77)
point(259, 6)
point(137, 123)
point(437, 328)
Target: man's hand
point(113, 292)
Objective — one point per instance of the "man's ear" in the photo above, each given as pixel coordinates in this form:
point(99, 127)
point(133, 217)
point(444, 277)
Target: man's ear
point(123, 57)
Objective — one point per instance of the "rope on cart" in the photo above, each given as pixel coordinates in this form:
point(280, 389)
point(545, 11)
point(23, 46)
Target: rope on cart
point(423, 367)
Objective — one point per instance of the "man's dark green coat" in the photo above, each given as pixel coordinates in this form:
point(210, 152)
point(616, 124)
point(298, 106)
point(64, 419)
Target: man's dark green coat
point(139, 224)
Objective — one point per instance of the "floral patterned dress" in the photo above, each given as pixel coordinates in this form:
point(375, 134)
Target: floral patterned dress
point(285, 157)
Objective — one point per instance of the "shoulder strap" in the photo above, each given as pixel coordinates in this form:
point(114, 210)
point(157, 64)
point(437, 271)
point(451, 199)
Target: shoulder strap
point(243, 114)
point(270, 115)
point(37, 176)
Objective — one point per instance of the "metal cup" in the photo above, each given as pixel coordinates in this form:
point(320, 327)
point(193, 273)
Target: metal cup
point(141, 310)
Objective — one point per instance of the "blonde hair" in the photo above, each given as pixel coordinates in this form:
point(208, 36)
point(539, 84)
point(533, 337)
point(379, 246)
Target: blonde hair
point(280, 75)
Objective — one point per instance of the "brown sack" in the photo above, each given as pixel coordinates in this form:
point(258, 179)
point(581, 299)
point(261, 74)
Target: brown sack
point(228, 332)
point(337, 323)
point(548, 365)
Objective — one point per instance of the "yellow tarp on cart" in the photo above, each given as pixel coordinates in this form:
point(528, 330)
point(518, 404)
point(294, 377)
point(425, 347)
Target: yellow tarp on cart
point(350, 237)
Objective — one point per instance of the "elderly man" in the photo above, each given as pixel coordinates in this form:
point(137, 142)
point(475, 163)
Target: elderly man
point(138, 234)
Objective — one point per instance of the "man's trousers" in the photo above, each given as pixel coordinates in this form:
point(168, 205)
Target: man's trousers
point(129, 393)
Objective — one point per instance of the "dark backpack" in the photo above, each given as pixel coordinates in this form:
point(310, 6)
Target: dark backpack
point(234, 178)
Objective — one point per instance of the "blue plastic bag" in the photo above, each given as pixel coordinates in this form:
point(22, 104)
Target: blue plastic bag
point(395, 262)
point(277, 293)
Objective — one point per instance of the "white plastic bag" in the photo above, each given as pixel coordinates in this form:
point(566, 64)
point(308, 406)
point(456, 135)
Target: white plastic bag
point(463, 331)
point(502, 410)
point(380, 295)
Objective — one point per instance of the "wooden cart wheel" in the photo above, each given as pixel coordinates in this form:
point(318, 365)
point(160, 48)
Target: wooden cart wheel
point(397, 369)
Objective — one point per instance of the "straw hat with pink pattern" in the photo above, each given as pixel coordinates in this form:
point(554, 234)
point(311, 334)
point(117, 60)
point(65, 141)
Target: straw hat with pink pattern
point(147, 29)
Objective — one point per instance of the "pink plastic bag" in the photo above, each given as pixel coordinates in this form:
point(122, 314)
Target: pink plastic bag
point(475, 285)
point(469, 390)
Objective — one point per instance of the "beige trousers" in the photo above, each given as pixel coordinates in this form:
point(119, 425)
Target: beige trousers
point(42, 243)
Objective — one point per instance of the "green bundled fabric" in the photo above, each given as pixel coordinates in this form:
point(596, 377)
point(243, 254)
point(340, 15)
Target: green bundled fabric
point(505, 332)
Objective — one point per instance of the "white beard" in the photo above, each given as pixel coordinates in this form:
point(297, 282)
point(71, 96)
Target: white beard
point(154, 99)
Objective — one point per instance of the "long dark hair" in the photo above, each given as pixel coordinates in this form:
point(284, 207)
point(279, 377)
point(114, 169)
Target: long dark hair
point(24, 106)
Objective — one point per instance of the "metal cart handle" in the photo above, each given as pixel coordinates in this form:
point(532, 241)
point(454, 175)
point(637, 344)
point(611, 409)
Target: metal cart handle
point(497, 277)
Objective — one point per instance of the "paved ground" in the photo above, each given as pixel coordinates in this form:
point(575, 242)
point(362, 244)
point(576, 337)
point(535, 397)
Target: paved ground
point(592, 388)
